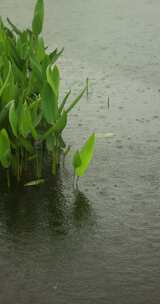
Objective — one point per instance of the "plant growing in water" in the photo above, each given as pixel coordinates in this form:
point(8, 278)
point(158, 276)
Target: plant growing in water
point(82, 159)
point(32, 116)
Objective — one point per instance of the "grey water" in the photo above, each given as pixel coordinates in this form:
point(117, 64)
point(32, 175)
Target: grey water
point(102, 245)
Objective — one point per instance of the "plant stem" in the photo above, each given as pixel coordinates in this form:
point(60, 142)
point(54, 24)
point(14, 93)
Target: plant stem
point(8, 179)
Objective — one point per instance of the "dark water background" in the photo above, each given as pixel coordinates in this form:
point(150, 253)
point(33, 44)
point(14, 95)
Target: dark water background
point(103, 246)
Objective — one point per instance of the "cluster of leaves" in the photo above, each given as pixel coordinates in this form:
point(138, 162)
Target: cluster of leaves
point(32, 116)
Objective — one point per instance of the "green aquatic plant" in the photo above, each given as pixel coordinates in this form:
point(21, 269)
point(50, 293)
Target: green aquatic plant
point(82, 158)
point(32, 114)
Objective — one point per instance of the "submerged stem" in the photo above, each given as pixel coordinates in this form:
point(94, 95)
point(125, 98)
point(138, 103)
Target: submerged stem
point(8, 178)
point(75, 182)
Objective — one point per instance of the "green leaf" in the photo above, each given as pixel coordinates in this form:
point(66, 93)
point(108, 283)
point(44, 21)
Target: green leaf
point(36, 68)
point(14, 53)
point(35, 111)
point(14, 28)
point(64, 101)
point(10, 89)
point(6, 80)
point(26, 144)
point(57, 128)
point(13, 119)
point(18, 74)
point(53, 78)
point(55, 55)
point(86, 155)
point(76, 160)
point(4, 112)
point(25, 122)
point(37, 23)
point(61, 123)
point(49, 104)
point(5, 149)
point(39, 49)
point(76, 100)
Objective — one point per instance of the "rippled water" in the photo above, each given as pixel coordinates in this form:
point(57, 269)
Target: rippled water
point(101, 246)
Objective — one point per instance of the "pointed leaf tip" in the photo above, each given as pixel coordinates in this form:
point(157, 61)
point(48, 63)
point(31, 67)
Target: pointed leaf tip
point(86, 155)
point(37, 23)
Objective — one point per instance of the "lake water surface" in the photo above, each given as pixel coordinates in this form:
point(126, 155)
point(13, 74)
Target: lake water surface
point(103, 245)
